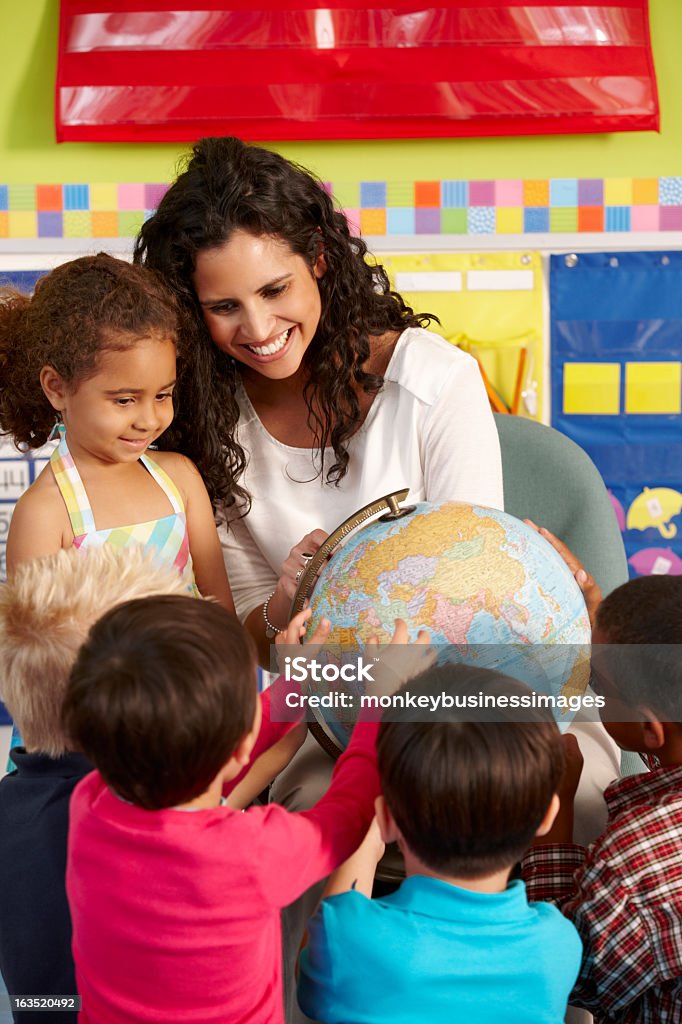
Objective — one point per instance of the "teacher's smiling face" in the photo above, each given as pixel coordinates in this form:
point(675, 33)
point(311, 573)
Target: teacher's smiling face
point(261, 302)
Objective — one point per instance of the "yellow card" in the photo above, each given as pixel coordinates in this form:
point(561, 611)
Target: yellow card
point(653, 388)
point(592, 389)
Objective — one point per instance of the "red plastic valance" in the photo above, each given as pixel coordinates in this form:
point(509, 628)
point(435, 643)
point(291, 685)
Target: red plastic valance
point(142, 71)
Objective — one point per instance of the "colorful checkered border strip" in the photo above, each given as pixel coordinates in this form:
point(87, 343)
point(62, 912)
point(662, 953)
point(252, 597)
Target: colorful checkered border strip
point(502, 207)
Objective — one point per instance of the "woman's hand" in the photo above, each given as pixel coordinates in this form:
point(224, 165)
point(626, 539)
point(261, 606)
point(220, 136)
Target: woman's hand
point(272, 617)
point(279, 602)
point(297, 560)
point(587, 583)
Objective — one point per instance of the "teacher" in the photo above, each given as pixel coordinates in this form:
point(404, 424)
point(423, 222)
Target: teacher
point(308, 388)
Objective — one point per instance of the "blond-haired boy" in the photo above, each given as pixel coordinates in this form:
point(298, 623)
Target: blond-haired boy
point(46, 610)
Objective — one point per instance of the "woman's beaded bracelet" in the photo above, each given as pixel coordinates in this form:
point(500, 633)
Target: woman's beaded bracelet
point(270, 630)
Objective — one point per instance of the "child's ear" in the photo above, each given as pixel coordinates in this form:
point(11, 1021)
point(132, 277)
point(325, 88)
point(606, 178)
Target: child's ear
point(387, 826)
point(54, 387)
point(653, 730)
point(550, 814)
point(241, 756)
point(243, 752)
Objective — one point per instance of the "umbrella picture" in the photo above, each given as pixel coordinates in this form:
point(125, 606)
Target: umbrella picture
point(655, 507)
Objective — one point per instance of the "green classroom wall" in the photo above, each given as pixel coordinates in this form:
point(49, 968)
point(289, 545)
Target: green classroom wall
point(29, 153)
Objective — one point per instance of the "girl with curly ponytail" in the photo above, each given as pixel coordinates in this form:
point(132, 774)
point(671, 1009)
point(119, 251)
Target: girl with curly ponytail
point(90, 358)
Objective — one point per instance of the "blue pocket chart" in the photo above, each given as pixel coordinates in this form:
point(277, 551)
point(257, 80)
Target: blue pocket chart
point(616, 356)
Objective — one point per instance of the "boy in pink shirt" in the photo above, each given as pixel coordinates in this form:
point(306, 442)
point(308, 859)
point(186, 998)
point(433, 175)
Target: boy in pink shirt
point(175, 898)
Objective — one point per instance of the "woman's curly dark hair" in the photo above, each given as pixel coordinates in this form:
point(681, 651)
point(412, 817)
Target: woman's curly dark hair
point(228, 186)
point(79, 310)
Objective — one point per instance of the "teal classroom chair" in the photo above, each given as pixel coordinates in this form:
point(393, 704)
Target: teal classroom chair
point(548, 478)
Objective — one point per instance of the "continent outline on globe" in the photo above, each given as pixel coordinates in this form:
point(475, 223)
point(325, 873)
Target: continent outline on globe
point(473, 576)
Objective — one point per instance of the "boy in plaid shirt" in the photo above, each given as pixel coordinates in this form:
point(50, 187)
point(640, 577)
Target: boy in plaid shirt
point(624, 893)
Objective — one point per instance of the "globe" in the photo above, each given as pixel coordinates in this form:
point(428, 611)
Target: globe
point(490, 590)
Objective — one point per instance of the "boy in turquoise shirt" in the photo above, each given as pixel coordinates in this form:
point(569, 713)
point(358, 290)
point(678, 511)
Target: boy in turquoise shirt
point(463, 797)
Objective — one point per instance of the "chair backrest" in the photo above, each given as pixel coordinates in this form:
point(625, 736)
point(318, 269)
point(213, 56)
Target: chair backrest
point(551, 480)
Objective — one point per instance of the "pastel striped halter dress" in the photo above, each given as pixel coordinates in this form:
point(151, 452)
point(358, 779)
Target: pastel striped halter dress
point(167, 537)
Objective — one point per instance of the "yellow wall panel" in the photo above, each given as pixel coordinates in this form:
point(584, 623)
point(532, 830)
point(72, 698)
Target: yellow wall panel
point(23, 224)
point(493, 324)
point(104, 197)
point(617, 191)
point(510, 220)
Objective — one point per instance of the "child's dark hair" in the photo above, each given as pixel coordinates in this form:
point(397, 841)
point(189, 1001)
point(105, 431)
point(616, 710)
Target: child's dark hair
point(646, 610)
point(79, 310)
point(468, 790)
point(640, 624)
point(230, 186)
point(163, 690)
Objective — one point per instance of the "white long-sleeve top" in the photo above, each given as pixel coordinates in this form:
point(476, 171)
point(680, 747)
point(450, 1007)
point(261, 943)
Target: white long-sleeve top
point(429, 429)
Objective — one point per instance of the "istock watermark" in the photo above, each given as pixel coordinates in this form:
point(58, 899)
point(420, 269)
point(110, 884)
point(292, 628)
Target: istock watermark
point(443, 701)
point(301, 669)
point(613, 683)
